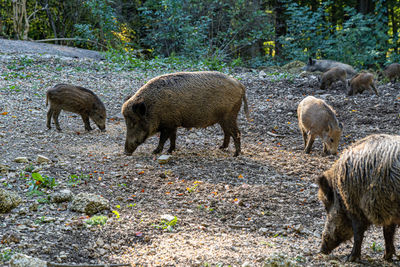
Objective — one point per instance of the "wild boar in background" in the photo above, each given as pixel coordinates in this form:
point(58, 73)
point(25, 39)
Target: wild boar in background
point(361, 82)
point(325, 65)
point(316, 118)
point(333, 75)
point(78, 100)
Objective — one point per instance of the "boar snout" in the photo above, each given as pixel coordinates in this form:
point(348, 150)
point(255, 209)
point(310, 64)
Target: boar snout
point(130, 147)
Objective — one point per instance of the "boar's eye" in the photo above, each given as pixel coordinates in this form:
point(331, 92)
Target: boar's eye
point(331, 140)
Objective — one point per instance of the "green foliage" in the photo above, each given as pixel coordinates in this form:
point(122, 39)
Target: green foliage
point(169, 225)
point(97, 220)
point(361, 40)
point(5, 254)
point(38, 181)
point(102, 25)
point(219, 30)
point(75, 179)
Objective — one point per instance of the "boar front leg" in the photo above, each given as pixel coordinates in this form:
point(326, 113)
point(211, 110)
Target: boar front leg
point(388, 233)
point(164, 135)
point(86, 121)
point(359, 228)
point(372, 88)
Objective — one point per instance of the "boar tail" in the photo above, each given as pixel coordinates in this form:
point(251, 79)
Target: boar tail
point(246, 107)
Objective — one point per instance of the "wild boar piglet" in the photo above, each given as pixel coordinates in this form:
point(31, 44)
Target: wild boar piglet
point(78, 100)
point(317, 118)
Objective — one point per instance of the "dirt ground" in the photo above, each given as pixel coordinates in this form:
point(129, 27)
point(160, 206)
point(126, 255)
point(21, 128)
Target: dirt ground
point(258, 209)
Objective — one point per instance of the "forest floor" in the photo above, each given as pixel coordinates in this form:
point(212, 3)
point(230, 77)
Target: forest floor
point(257, 209)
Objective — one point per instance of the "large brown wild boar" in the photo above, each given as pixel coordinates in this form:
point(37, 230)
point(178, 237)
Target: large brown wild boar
point(392, 72)
point(333, 75)
point(362, 188)
point(362, 81)
point(183, 99)
point(316, 118)
point(78, 100)
point(325, 65)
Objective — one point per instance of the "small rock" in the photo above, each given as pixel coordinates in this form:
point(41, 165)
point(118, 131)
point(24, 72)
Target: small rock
point(167, 217)
point(263, 230)
point(11, 237)
point(262, 74)
point(42, 159)
point(4, 168)
point(100, 242)
point(61, 196)
point(22, 260)
point(89, 203)
point(164, 159)
point(21, 160)
point(8, 200)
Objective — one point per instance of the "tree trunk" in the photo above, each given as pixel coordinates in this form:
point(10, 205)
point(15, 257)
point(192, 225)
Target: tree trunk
point(280, 26)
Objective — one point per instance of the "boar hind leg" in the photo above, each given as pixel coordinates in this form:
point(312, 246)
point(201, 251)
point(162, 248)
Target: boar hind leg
point(230, 128)
point(388, 233)
point(358, 229)
point(304, 134)
point(227, 138)
point(86, 121)
point(310, 142)
point(56, 113)
point(49, 114)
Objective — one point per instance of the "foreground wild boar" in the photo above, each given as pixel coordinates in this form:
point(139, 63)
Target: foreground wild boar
point(78, 100)
point(333, 75)
point(362, 188)
point(361, 82)
point(392, 72)
point(325, 65)
point(316, 118)
point(183, 99)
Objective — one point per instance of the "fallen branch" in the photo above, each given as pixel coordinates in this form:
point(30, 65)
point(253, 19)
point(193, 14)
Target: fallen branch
point(275, 135)
point(52, 264)
point(234, 226)
point(70, 39)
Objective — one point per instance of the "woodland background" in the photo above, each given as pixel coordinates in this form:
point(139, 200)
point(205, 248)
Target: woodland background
point(363, 33)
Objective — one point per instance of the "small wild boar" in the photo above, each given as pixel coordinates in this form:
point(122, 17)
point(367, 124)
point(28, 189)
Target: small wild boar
point(392, 71)
point(362, 188)
point(78, 100)
point(316, 118)
point(183, 99)
point(325, 65)
point(362, 81)
point(333, 75)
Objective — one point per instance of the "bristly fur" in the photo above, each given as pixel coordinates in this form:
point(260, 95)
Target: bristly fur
point(367, 178)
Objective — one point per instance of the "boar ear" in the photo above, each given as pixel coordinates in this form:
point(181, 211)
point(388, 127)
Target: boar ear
point(325, 187)
point(341, 126)
point(139, 108)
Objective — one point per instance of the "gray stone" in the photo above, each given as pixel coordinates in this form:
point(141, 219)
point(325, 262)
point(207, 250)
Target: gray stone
point(89, 203)
point(167, 217)
point(42, 159)
point(21, 160)
point(22, 260)
point(164, 159)
point(8, 200)
point(61, 196)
